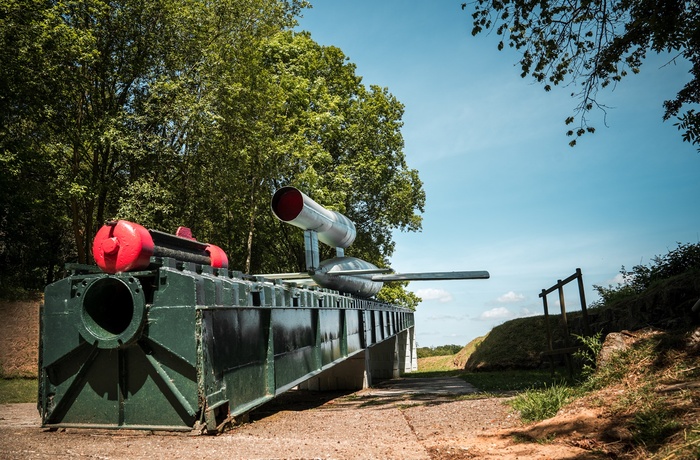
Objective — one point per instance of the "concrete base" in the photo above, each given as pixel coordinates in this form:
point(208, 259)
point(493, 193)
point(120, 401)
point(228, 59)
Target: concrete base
point(388, 359)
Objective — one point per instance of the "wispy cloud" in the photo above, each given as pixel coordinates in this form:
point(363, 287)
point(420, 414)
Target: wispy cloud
point(440, 295)
point(510, 297)
point(504, 314)
point(452, 318)
point(496, 314)
point(524, 312)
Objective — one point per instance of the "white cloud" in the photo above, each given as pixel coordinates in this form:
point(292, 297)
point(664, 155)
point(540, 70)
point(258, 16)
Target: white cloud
point(434, 294)
point(618, 279)
point(496, 313)
point(510, 297)
point(524, 312)
point(502, 313)
point(451, 318)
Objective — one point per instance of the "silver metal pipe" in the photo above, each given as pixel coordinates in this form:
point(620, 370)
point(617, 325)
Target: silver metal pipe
point(293, 207)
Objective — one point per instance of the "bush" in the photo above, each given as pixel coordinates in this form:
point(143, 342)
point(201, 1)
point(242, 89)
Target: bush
point(684, 258)
point(587, 355)
point(442, 350)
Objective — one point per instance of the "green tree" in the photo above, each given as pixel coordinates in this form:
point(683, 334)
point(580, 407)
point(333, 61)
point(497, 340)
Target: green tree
point(396, 293)
point(169, 113)
point(217, 116)
point(343, 147)
point(105, 107)
point(593, 44)
point(34, 42)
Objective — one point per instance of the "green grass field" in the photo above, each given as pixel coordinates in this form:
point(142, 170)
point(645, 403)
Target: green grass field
point(18, 391)
point(490, 382)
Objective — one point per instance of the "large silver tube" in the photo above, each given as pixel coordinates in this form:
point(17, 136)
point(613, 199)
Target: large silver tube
point(294, 207)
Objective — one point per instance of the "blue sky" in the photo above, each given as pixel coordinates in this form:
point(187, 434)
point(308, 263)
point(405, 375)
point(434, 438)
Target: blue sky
point(505, 192)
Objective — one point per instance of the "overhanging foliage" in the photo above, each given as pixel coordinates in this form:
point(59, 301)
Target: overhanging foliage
point(169, 113)
point(593, 44)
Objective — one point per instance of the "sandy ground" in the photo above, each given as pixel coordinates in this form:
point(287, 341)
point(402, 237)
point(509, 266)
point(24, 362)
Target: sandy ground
point(403, 419)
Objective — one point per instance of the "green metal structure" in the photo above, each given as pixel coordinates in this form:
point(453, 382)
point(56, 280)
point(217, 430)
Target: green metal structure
point(182, 345)
point(164, 336)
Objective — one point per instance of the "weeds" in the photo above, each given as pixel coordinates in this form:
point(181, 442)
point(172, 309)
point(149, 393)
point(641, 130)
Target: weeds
point(652, 426)
point(405, 406)
point(686, 447)
point(549, 439)
point(473, 396)
point(540, 404)
point(654, 416)
point(588, 355)
point(521, 438)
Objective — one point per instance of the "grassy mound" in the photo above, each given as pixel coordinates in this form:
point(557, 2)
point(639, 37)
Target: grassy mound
point(644, 400)
point(514, 344)
point(519, 343)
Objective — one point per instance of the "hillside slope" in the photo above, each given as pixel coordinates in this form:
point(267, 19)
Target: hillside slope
point(519, 343)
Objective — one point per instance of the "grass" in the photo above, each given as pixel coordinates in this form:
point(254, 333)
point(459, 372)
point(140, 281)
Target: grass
point(512, 380)
point(541, 393)
point(503, 381)
point(653, 426)
point(18, 391)
point(685, 447)
point(540, 404)
point(435, 364)
point(630, 388)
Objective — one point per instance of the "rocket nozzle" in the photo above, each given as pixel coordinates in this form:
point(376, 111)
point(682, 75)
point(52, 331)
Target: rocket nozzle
point(293, 207)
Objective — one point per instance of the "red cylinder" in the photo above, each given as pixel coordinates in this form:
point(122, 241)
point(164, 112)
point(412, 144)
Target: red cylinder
point(122, 246)
point(218, 257)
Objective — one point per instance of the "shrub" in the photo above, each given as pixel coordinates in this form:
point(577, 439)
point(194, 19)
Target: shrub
point(442, 350)
point(588, 354)
point(684, 258)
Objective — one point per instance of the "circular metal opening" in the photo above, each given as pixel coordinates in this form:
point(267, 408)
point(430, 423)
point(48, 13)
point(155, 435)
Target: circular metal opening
point(287, 203)
point(108, 308)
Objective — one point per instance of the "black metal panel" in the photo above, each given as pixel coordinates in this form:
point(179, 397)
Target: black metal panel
point(331, 328)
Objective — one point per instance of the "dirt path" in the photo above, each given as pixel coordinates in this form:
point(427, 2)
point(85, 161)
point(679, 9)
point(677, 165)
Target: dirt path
point(404, 419)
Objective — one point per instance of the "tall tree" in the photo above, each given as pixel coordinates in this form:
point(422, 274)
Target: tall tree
point(595, 43)
point(343, 147)
point(105, 102)
point(170, 113)
point(214, 126)
point(34, 44)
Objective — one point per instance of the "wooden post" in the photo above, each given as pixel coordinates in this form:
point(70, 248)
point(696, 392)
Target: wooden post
point(582, 296)
point(549, 332)
point(567, 336)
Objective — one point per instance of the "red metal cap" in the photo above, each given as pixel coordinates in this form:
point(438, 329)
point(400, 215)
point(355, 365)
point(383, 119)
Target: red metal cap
point(217, 256)
point(185, 232)
point(122, 246)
